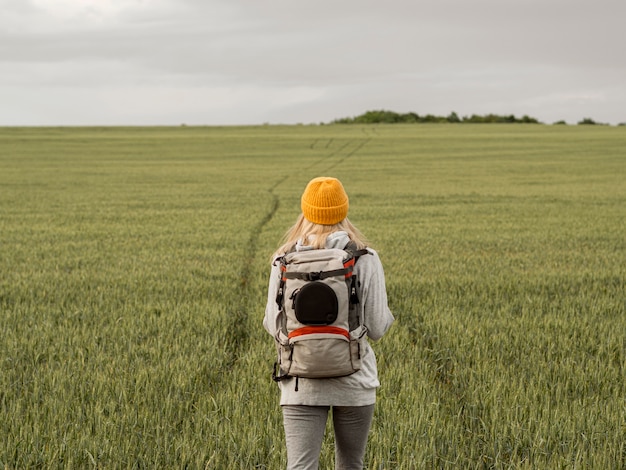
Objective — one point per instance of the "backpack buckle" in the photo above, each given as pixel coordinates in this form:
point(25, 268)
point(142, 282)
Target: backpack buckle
point(313, 276)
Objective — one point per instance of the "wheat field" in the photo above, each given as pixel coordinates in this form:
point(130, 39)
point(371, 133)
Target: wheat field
point(134, 264)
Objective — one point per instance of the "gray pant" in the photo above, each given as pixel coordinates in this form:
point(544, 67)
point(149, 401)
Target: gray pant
point(304, 433)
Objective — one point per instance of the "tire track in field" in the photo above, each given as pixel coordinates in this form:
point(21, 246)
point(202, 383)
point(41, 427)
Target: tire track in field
point(358, 145)
point(349, 154)
point(238, 334)
point(237, 339)
point(343, 153)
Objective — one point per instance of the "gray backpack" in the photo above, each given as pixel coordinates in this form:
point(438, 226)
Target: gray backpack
point(319, 334)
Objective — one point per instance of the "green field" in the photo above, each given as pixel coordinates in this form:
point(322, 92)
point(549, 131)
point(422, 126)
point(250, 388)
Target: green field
point(134, 263)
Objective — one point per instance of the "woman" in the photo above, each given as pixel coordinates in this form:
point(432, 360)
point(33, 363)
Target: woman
point(305, 404)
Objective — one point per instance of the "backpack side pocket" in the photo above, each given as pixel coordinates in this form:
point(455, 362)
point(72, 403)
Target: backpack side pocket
point(284, 358)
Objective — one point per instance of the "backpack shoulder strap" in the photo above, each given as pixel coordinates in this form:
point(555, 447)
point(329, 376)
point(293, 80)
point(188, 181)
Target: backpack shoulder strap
point(352, 250)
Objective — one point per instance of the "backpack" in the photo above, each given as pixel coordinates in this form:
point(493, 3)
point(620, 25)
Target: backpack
point(319, 332)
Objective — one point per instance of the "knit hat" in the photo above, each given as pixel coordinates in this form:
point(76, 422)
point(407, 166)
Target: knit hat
point(324, 201)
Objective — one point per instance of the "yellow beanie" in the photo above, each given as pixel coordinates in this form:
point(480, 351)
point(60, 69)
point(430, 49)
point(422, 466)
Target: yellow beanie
point(324, 201)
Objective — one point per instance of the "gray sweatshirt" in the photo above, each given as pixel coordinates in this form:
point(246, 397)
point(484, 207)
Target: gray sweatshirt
point(358, 389)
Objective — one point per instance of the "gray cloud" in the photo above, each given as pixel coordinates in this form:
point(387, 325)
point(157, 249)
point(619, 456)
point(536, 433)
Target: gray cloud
point(283, 61)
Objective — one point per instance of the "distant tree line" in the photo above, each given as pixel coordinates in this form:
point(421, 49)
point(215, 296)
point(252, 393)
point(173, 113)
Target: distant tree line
point(390, 117)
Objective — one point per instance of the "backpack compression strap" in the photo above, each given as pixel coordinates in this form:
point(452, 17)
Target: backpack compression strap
point(346, 271)
point(318, 276)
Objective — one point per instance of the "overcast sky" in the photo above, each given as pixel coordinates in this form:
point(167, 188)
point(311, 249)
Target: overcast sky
point(169, 62)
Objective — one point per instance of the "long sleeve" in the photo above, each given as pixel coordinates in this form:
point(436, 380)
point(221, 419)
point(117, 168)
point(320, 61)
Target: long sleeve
point(376, 314)
point(271, 308)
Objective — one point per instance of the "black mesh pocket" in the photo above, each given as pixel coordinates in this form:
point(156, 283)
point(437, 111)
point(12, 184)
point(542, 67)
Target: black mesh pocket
point(316, 304)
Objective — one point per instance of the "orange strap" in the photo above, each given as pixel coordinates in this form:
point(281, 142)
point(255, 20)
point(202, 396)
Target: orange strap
point(311, 330)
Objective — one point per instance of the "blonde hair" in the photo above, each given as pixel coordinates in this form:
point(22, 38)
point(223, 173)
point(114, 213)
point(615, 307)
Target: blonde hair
point(315, 235)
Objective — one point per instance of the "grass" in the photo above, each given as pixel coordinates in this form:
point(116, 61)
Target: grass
point(134, 262)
